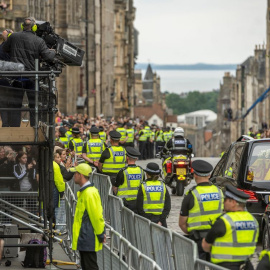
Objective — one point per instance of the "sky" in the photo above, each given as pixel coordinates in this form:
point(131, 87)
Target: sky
point(199, 31)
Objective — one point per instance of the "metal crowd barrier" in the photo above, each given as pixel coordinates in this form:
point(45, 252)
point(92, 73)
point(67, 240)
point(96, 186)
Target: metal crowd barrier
point(122, 258)
point(203, 265)
point(103, 184)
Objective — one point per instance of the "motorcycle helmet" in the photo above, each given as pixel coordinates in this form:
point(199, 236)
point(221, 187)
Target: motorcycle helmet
point(179, 132)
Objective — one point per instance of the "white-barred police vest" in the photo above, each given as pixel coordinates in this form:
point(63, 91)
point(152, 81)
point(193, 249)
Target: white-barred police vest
point(119, 154)
point(95, 144)
point(134, 176)
point(209, 197)
point(179, 142)
point(244, 225)
point(154, 188)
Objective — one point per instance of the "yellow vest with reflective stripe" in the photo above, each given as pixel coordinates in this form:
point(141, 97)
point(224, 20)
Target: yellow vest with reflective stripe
point(63, 140)
point(123, 133)
point(143, 137)
point(117, 160)
point(133, 177)
point(170, 134)
point(102, 135)
point(166, 136)
point(160, 136)
point(78, 145)
point(152, 136)
point(240, 239)
point(130, 133)
point(153, 197)
point(263, 253)
point(69, 135)
point(94, 149)
point(148, 131)
point(208, 206)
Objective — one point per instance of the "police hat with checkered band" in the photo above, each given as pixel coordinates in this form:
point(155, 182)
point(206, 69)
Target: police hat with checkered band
point(115, 135)
point(235, 194)
point(202, 168)
point(152, 168)
point(132, 152)
point(94, 130)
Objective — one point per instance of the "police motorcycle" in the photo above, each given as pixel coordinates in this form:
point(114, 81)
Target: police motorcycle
point(177, 171)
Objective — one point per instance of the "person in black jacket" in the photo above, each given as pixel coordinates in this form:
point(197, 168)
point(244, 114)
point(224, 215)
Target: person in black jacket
point(26, 174)
point(24, 47)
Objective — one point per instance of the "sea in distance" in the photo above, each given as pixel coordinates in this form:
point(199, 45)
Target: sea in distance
point(182, 81)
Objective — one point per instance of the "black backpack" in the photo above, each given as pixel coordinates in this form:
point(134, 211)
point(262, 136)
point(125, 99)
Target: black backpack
point(35, 257)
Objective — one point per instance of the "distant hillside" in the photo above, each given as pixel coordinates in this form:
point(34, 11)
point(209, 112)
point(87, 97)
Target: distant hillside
point(199, 66)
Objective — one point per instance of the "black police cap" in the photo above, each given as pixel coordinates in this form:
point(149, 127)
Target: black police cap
point(115, 135)
point(129, 124)
point(132, 152)
point(101, 128)
point(75, 130)
point(235, 194)
point(152, 168)
point(202, 168)
point(94, 130)
point(66, 124)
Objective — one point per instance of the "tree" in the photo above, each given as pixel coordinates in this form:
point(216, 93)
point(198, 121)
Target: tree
point(194, 101)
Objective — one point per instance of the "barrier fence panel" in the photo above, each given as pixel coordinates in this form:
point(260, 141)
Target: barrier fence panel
point(162, 246)
point(143, 236)
point(103, 184)
point(203, 265)
point(109, 258)
point(184, 251)
point(24, 200)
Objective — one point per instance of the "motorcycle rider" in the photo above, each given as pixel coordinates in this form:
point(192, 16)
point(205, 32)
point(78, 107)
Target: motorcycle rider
point(179, 144)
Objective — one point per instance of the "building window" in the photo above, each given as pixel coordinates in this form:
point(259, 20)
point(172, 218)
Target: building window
point(115, 56)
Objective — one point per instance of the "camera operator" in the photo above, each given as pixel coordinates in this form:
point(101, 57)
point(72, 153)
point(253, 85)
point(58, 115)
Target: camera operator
point(24, 47)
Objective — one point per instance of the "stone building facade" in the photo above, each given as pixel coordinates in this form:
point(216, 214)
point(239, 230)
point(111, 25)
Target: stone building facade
point(125, 53)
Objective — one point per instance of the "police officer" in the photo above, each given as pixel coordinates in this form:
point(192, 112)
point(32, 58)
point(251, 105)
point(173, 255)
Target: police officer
point(130, 134)
point(178, 144)
point(76, 143)
point(159, 139)
point(250, 132)
point(62, 138)
point(102, 134)
point(148, 135)
point(233, 237)
point(129, 179)
point(93, 148)
point(152, 142)
point(89, 225)
point(142, 142)
point(202, 205)
point(113, 158)
point(68, 128)
point(123, 133)
point(153, 199)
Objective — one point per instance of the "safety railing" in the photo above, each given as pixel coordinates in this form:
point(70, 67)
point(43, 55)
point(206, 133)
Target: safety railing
point(203, 265)
point(122, 258)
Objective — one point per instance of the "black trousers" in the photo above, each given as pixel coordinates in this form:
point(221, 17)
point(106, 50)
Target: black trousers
point(89, 260)
point(151, 150)
point(131, 144)
point(142, 149)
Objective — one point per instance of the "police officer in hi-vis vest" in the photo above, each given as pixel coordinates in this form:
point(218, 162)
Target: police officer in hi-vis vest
point(129, 179)
point(201, 206)
point(130, 133)
point(153, 199)
point(113, 158)
point(93, 148)
point(62, 137)
point(234, 235)
point(76, 143)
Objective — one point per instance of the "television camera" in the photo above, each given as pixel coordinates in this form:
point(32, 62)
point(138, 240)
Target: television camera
point(66, 52)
